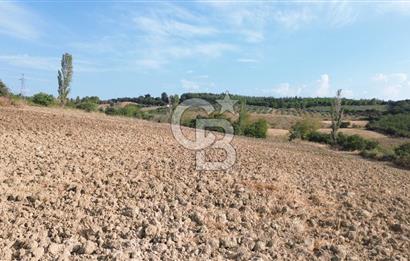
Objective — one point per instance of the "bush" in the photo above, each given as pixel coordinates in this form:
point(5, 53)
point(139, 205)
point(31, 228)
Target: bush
point(345, 124)
point(400, 156)
point(4, 91)
point(43, 99)
point(257, 129)
point(403, 150)
point(192, 123)
point(87, 106)
point(303, 128)
point(129, 110)
point(379, 153)
point(403, 155)
point(320, 137)
point(395, 125)
point(92, 99)
point(243, 121)
point(110, 111)
point(355, 142)
point(399, 107)
point(403, 161)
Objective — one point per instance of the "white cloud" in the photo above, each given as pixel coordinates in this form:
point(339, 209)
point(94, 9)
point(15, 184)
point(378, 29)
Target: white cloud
point(202, 51)
point(398, 7)
point(17, 21)
point(170, 32)
point(348, 93)
point(243, 20)
point(150, 63)
point(396, 78)
point(166, 36)
point(341, 13)
point(114, 44)
point(213, 49)
point(247, 60)
point(392, 86)
point(196, 85)
point(44, 63)
point(379, 77)
point(189, 85)
point(31, 62)
point(169, 27)
point(324, 86)
point(286, 90)
point(253, 36)
point(294, 19)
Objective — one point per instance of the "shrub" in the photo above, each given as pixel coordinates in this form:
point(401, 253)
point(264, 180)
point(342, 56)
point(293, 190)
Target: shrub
point(4, 91)
point(403, 155)
point(93, 99)
point(129, 110)
point(355, 142)
point(257, 129)
point(110, 111)
point(17, 100)
point(87, 106)
point(146, 116)
point(403, 161)
point(350, 143)
point(303, 128)
point(320, 137)
point(399, 107)
point(243, 121)
point(43, 99)
point(192, 123)
point(345, 124)
point(403, 150)
point(379, 153)
point(396, 125)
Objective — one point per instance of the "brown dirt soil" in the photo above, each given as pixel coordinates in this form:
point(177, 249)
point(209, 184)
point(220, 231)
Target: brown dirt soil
point(77, 186)
point(278, 135)
point(275, 121)
point(353, 123)
point(364, 133)
point(5, 102)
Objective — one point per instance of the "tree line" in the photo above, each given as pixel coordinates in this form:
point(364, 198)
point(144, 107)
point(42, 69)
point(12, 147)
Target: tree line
point(146, 100)
point(284, 102)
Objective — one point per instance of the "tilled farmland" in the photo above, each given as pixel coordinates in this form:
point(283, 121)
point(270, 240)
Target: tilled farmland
point(78, 186)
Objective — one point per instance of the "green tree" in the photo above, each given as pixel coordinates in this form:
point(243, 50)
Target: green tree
point(337, 115)
point(64, 78)
point(257, 129)
point(164, 97)
point(243, 120)
point(43, 99)
point(4, 91)
point(174, 100)
point(303, 128)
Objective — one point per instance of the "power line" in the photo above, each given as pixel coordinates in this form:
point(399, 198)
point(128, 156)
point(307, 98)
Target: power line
point(23, 83)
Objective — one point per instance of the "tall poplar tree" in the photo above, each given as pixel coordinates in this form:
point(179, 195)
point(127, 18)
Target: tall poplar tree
point(64, 78)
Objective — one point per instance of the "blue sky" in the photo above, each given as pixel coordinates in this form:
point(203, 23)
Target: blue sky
point(130, 48)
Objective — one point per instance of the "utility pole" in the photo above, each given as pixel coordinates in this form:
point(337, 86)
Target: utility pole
point(23, 83)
